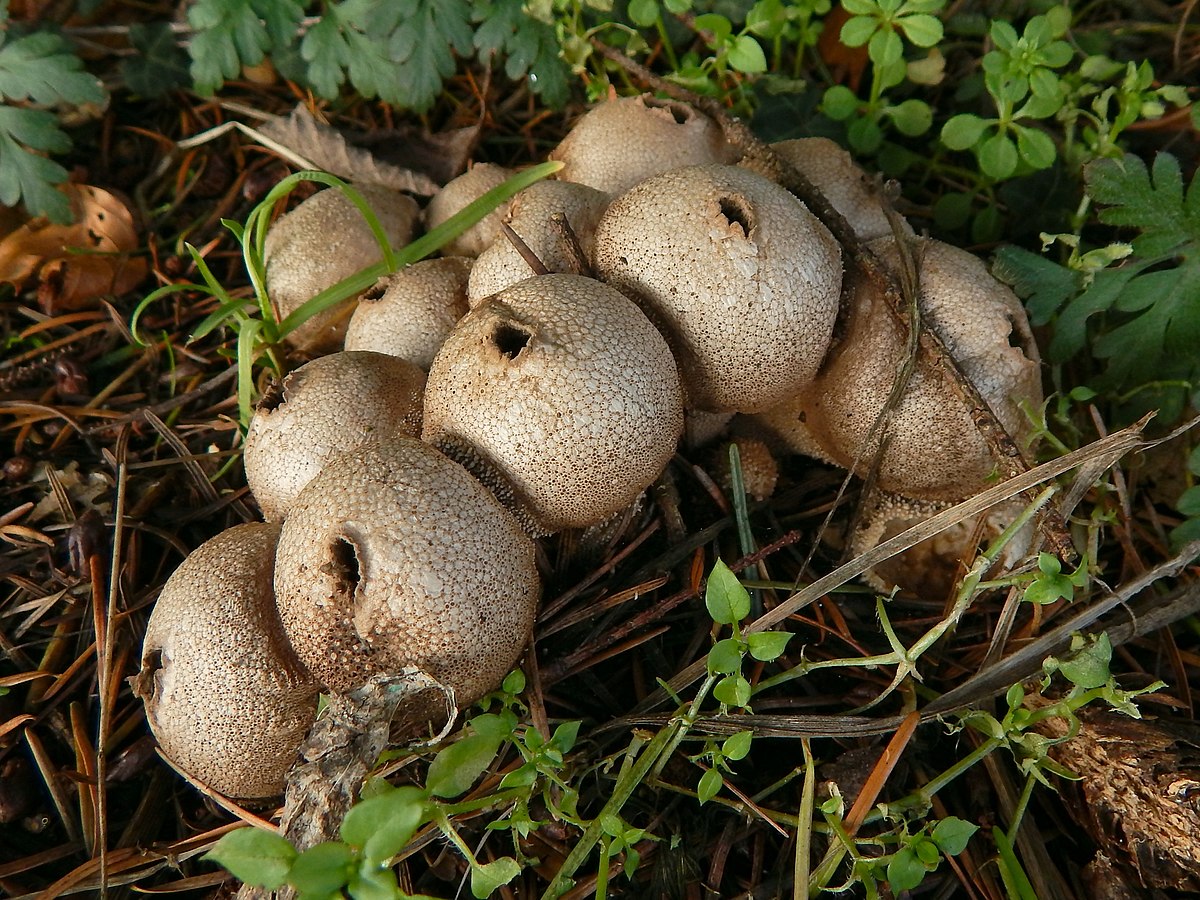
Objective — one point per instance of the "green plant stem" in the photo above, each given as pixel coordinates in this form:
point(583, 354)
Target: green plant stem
point(660, 748)
point(802, 860)
point(1022, 804)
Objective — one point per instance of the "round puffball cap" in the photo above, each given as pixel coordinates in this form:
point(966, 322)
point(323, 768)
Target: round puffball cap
point(849, 189)
point(225, 695)
point(623, 141)
point(739, 275)
point(529, 215)
point(395, 556)
point(322, 241)
point(327, 406)
point(559, 391)
point(460, 193)
point(409, 313)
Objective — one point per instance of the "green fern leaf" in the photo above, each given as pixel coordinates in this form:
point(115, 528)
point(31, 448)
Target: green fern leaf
point(37, 68)
point(528, 45)
point(230, 34)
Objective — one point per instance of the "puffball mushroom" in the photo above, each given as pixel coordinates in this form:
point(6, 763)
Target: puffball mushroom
point(620, 142)
point(395, 556)
point(322, 241)
point(934, 566)
point(225, 695)
point(558, 393)
point(409, 313)
point(529, 215)
point(935, 451)
point(460, 193)
point(849, 189)
point(327, 406)
point(742, 279)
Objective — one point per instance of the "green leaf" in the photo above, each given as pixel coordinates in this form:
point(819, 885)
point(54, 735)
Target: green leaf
point(766, 646)
point(1088, 667)
point(255, 856)
point(710, 785)
point(736, 746)
point(886, 50)
point(998, 156)
point(531, 46)
point(725, 657)
point(40, 67)
point(381, 826)
point(229, 34)
point(456, 768)
point(952, 834)
point(1150, 200)
point(905, 871)
point(747, 56)
point(565, 735)
point(26, 177)
point(1036, 148)
point(912, 117)
point(921, 30)
point(864, 135)
point(767, 18)
point(719, 26)
point(1045, 286)
point(485, 879)
point(643, 13)
point(727, 601)
point(323, 869)
point(963, 131)
point(732, 690)
point(839, 102)
point(857, 30)
point(374, 884)
point(160, 64)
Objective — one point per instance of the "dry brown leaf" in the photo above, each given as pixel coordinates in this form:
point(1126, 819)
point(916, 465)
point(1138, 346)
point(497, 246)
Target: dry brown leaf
point(327, 149)
point(76, 263)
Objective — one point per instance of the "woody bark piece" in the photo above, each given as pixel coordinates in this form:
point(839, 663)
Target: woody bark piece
point(1139, 798)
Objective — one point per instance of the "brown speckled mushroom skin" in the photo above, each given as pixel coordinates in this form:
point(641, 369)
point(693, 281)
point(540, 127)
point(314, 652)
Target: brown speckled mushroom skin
point(460, 193)
point(623, 141)
point(741, 277)
point(409, 313)
point(563, 388)
point(849, 189)
point(322, 241)
point(935, 451)
point(395, 556)
point(225, 695)
point(529, 214)
point(325, 407)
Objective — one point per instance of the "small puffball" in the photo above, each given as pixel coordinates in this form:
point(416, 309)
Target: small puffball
point(559, 391)
point(529, 215)
point(395, 556)
point(225, 695)
point(457, 195)
point(321, 242)
point(742, 279)
point(620, 142)
point(325, 407)
point(409, 313)
point(760, 472)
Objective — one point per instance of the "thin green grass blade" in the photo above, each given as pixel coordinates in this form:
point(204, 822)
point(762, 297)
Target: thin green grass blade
point(152, 297)
point(420, 248)
point(246, 345)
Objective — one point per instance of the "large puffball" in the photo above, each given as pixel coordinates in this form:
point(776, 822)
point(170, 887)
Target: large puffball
point(742, 279)
point(559, 394)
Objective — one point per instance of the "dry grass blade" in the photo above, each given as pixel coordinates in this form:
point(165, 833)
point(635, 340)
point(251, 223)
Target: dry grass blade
point(1110, 448)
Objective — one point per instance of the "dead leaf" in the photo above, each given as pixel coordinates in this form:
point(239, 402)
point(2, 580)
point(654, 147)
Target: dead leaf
point(441, 155)
point(846, 63)
point(327, 149)
point(77, 263)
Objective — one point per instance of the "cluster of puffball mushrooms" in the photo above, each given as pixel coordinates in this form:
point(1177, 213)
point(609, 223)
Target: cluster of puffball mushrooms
point(462, 408)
